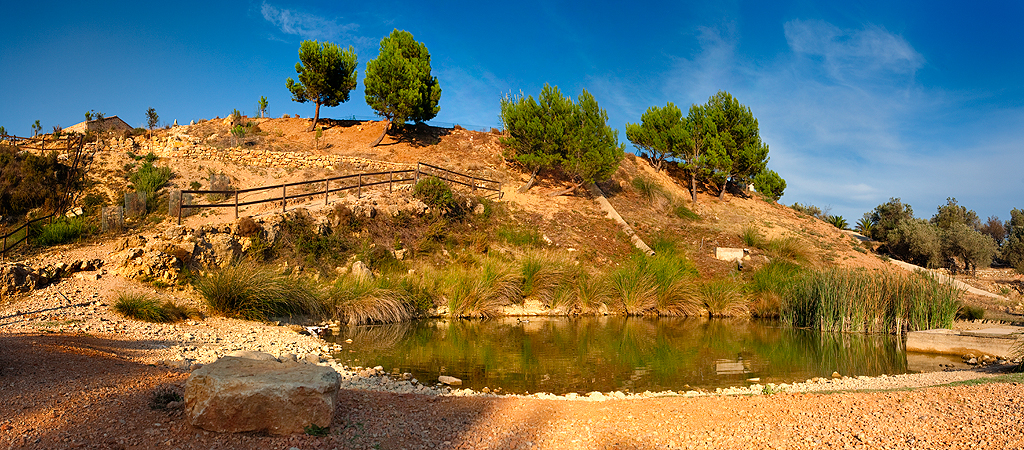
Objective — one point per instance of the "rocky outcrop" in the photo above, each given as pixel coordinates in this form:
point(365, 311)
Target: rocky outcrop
point(18, 278)
point(237, 395)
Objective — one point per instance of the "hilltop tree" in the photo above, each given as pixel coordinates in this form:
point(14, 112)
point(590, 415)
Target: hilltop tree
point(661, 134)
point(994, 228)
point(36, 128)
point(769, 183)
point(700, 140)
point(152, 118)
point(535, 132)
point(261, 106)
point(952, 213)
point(742, 154)
point(555, 132)
point(3, 131)
point(398, 84)
point(887, 216)
point(326, 75)
point(593, 152)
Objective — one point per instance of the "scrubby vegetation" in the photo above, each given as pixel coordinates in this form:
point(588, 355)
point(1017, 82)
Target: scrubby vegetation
point(140, 306)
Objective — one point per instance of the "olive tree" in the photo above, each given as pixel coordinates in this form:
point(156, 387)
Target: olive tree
point(326, 75)
point(398, 83)
point(1013, 250)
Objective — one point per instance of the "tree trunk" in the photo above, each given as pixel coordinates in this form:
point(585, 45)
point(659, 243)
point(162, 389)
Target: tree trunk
point(693, 186)
point(316, 117)
point(387, 126)
point(529, 183)
point(566, 191)
point(721, 194)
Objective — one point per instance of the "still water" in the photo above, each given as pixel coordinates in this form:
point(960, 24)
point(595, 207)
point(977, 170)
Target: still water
point(562, 355)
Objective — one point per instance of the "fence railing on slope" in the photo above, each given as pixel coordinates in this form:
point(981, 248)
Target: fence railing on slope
point(27, 226)
point(334, 185)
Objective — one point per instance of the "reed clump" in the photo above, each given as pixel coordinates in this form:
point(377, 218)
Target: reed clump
point(250, 291)
point(859, 301)
point(663, 284)
point(479, 291)
point(357, 301)
point(139, 306)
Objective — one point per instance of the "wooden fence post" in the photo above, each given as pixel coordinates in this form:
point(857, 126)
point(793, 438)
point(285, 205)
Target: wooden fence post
point(327, 192)
point(391, 179)
point(236, 203)
point(284, 197)
point(417, 173)
point(179, 207)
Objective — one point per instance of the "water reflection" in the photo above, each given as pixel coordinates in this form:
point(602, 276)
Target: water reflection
point(563, 355)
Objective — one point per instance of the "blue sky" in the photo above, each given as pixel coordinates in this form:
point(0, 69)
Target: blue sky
point(858, 101)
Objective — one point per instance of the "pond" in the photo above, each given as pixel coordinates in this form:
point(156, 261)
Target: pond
point(561, 355)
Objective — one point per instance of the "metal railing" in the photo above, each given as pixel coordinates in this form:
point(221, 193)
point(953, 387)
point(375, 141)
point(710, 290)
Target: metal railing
point(340, 184)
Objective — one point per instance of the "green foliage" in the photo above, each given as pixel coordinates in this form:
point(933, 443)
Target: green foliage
point(436, 194)
point(139, 306)
point(971, 247)
point(682, 212)
point(149, 179)
point(994, 228)
point(152, 119)
point(768, 286)
point(864, 225)
point(811, 210)
point(837, 221)
point(723, 298)
point(788, 248)
point(519, 237)
point(398, 83)
point(887, 216)
point(326, 75)
point(751, 237)
point(740, 154)
point(951, 213)
point(36, 128)
point(261, 106)
point(62, 231)
point(915, 241)
point(555, 132)
point(3, 131)
point(479, 291)
point(661, 134)
point(1013, 250)
point(662, 284)
point(648, 189)
point(858, 301)
point(316, 430)
point(769, 183)
point(542, 275)
point(29, 180)
point(248, 291)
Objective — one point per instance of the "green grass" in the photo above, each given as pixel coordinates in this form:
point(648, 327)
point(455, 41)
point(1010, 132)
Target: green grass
point(682, 212)
point(723, 298)
point(62, 231)
point(751, 237)
point(140, 306)
point(479, 290)
point(859, 301)
point(542, 274)
point(662, 284)
point(648, 189)
point(768, 285)
point(580, 292)
point(519, 237)
point(249, 291)
point(788, 248)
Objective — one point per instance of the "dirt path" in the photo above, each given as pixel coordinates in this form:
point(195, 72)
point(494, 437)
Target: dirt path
point(85, 392)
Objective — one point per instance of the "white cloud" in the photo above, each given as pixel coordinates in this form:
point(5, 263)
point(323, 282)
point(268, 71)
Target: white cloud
point(309, 26)
point(869, 52)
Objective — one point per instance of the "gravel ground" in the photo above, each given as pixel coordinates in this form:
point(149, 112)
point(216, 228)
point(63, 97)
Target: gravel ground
point(75, 375)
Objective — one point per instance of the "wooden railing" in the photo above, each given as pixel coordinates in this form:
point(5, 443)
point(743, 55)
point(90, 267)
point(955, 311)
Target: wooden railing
point(339, 184)
point(25, 226)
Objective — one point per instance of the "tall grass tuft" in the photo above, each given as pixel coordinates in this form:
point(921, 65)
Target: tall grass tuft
point(682, 212)
point(662, 284)
point(751, 237)
point(249, 291)
point(139, 306)
point(580, 292)
point(859, 301)
point(480, 291)
point(357, 302)
point(769, 284)
point(723, 298)
point(788, 248)
point(542, 275)
point(519, 237)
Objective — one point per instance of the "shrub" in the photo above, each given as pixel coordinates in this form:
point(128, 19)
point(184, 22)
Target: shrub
point(140, 306)
point(29, 180)
point(682, 212)
point(810, 210)
point(248, 291)
point(970, 313)
point(837, 221)
point(436, 194)
point(661, 284)
point(61, 231)
point(149, 179)
point(580, 292)
point(788, 248)
point(162, 396)
point(769, 285)
point(648, 189)
point(769, 183)
point(915, 241)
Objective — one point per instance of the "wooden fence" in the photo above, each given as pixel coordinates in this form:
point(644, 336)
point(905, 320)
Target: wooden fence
point(25, 226)
point(338, 184)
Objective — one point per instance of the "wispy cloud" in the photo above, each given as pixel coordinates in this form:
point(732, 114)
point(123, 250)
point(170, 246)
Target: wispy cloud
point(310, 26)
point(848, 123)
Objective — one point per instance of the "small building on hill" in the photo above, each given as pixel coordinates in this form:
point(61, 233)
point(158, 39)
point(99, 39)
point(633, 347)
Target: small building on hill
point(112, 123)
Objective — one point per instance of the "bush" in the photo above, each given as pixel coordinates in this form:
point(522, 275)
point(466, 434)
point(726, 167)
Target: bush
point(436, 194)
point(723, 298)
point(253, 292)
point(770, 184)
point(480, 291)
point(61, 231)
point(751, 238)
point(915, 241)
point(140, 306)
point(29, 181)
point(356, 301)
point(970, 313)
point(768, 286)
point(682, 212)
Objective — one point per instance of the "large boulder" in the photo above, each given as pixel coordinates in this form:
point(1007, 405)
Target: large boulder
point(237, 395)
